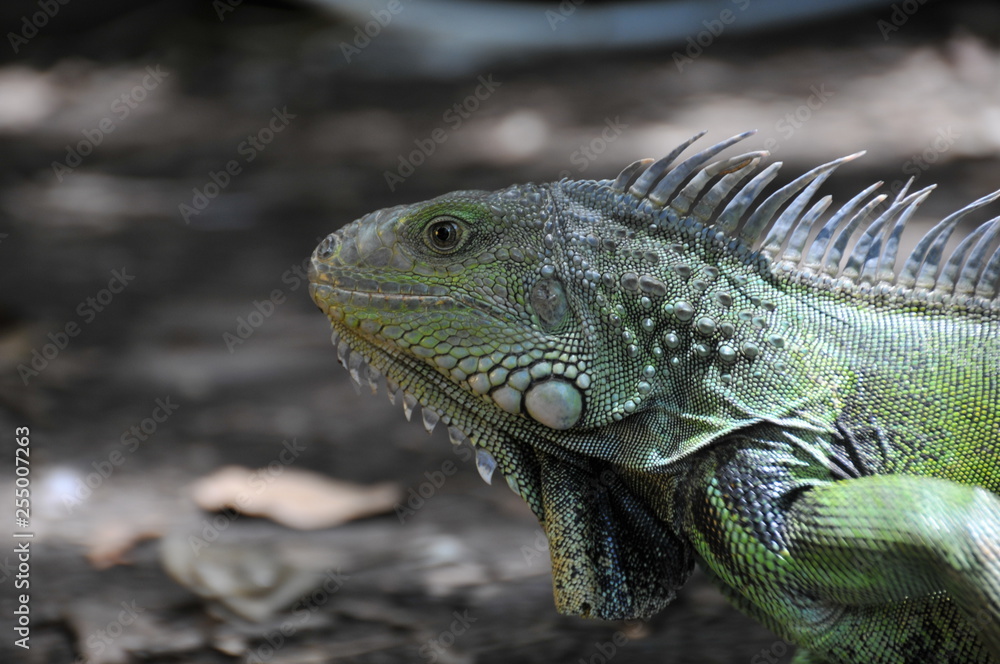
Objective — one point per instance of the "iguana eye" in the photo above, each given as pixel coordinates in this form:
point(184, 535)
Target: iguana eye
point(444, 234)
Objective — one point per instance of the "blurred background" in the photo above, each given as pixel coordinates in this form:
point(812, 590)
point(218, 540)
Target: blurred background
point(205, 486)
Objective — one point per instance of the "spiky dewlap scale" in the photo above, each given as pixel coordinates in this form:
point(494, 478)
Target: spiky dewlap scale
point(634, 321)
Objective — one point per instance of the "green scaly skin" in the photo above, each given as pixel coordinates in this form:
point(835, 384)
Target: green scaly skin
point(663, 383)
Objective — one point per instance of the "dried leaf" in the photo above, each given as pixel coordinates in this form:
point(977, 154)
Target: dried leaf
point(294, 498)
point(110, 542)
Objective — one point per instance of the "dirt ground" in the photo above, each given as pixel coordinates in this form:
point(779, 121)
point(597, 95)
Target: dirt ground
point(165, 175)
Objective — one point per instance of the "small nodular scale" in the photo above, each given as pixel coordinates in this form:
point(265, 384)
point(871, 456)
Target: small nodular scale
point(968, 278)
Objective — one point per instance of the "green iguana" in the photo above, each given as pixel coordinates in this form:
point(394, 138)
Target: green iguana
point(663, 382)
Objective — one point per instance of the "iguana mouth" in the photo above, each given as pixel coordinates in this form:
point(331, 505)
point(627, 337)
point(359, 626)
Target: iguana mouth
point(348, 289)
point(405, 379)
point(327, 294)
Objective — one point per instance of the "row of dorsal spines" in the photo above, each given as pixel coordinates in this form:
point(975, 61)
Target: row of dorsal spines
point(692, 189)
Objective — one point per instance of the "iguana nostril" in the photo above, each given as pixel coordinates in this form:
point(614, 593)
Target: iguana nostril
point(327, 247)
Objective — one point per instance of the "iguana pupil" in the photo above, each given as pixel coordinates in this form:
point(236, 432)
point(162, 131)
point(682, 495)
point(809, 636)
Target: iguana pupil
point(444, 234)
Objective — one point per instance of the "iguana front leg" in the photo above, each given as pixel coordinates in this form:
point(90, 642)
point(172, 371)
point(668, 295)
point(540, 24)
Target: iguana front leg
point(904, 560)
point(886, 537)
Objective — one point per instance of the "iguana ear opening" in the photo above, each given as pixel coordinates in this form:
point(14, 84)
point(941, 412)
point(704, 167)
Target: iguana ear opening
point(612, 557)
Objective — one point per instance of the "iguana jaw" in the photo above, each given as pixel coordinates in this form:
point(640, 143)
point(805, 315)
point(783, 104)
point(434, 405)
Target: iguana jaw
point(373, 363)
point(390, 319)
point(492, 433)
point(370, 278)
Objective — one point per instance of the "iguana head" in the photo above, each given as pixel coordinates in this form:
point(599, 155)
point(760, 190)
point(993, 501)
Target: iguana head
point(458, 290)
point(588, 315)
point(472, 306)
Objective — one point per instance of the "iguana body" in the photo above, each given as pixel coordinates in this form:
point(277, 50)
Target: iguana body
point(664, 383)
